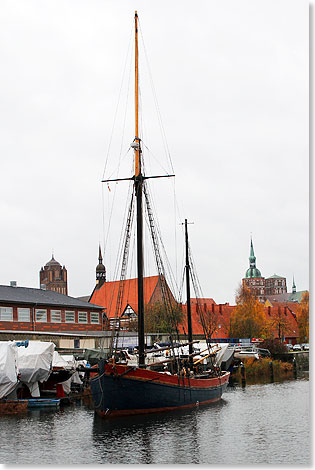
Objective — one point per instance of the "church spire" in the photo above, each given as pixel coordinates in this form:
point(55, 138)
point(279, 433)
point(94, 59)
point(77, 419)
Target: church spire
point(100, 269)
point(252, 271)
point(100, 258)
point(252, 257)
point(293, 287)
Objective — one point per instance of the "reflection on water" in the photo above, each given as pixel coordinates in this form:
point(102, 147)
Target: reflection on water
point(152, 437)
point(257, 424)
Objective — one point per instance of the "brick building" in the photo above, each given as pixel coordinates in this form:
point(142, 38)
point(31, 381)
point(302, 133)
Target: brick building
point(262, 287)
point(275, 285)
point(27, 309)
point(107, 295)
point(53, 277)
point(281, 318)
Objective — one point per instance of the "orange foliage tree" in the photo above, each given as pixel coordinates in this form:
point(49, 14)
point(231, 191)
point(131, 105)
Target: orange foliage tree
point(248, 319)
point(302, 316)
point(277, 326)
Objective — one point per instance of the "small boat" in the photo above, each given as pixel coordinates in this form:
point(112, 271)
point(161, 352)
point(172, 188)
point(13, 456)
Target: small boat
point(246, 352)
point(43, 403)
point(227, 359)
point(137, 388)
point(58, 381)
point(20, 406)
point(27, 369)
point(13, 407)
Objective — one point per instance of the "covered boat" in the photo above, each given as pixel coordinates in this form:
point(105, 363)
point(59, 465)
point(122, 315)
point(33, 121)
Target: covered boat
point(8, 367)
point(23, 366)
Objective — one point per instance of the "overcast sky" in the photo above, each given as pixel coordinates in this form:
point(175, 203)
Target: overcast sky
point(231, 82)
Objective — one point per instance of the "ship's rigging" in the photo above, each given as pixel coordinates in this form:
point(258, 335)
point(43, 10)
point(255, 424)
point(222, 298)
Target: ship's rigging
point(167, 283)
point(121, 387)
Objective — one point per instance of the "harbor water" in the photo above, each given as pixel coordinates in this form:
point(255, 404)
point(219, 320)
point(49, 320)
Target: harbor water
point(258, 424)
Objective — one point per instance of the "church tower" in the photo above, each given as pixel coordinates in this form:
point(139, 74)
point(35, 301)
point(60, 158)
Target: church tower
point(253, 279)
point(53, 276)
point(100, 270)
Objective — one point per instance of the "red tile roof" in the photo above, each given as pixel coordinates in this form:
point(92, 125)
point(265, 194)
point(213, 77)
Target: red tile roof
point(223, 314)
point(107, 294)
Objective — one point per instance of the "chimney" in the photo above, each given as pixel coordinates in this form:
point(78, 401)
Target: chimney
point(13, 283)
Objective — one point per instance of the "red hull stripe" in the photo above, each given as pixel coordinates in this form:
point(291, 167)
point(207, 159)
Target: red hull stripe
point(114, 413)
point(161, 378)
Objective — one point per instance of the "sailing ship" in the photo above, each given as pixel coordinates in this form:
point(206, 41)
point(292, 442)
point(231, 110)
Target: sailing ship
point(120, 388)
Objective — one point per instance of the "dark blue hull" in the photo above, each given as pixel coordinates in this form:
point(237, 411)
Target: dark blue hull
point(123, 391)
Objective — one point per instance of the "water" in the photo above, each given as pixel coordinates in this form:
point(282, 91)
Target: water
point(267, 424)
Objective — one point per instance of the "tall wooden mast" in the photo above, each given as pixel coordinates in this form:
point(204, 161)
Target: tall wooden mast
point(138, 192)
point(137, 149)
point(138, 179)
point(190, 338)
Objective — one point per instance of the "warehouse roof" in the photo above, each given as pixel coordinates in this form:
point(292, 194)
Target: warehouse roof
point(31, 296)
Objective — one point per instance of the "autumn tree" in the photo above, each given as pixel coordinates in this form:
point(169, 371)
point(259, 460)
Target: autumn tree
point(248, 319)
point(302, 316)
point(277, 324)
point(160, 319)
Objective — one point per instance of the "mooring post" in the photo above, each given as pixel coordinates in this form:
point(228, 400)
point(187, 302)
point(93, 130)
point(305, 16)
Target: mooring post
point(294, 368)
point(243, 372)
point(271, 371)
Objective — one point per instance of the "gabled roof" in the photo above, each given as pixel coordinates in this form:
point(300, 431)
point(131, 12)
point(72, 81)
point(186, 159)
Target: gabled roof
point(31, 296)
point(107, 294)
point(286, 297)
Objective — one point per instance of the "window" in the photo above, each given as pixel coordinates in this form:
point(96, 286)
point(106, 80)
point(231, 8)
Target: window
point(69, 317)
point(129, 312)
point(95, 317)
point(114, 323)
point(23, 314)
point(55, 316)
point(6, 313)
point(41, 315)
point(82, 317)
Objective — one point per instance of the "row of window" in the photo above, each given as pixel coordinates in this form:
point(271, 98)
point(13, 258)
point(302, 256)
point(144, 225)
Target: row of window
point(24, 315)
point(255, 282)
point(275, 283)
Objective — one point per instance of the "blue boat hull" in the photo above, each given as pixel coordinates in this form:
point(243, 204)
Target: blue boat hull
point(43, 403)
point(123, 391)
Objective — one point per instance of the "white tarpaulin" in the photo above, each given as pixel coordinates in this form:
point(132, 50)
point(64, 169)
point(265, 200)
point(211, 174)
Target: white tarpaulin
point(35, 361)
point(8, 367)
point(59, 361)
point(75, 377)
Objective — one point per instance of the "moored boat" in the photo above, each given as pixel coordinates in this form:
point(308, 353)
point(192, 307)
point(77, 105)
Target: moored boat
point(140, 388)
point(122, 390)
point(246, 353)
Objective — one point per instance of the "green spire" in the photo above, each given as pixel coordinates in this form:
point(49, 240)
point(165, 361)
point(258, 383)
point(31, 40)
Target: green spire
point(252, 257)
point(252, 271)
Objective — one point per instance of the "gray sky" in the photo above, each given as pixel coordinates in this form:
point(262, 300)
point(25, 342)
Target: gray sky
point(231, 80)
